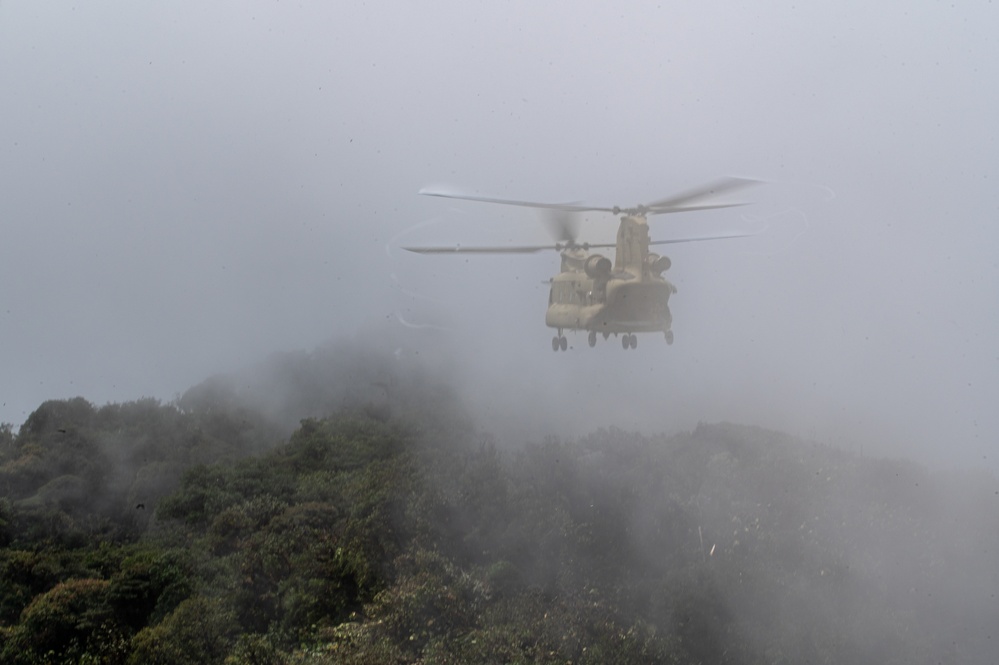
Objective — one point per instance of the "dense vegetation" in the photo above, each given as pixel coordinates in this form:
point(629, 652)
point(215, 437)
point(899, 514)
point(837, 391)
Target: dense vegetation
point(394, 532)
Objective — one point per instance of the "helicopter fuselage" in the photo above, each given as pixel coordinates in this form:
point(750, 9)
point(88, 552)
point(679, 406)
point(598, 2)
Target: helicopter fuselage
point(632, 296)
point(622, 303)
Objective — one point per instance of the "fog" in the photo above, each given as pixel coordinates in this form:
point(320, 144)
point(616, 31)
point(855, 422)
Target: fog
point(188, 188)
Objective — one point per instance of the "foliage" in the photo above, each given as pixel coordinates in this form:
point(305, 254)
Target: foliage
point(201, 631)
point(70, 623)
point(148, 584)
point(150, 533)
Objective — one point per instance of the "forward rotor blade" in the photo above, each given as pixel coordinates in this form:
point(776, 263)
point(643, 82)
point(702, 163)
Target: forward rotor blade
point(568, 207)
point(698, 239)
point(562, 225)
point(681, 202)
point(533, 249)
point(458, 249)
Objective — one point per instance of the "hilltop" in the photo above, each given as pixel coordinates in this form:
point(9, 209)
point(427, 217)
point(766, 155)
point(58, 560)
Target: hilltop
point(349, 510)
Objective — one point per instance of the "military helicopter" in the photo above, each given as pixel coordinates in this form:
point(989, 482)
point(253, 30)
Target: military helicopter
point(589, 293)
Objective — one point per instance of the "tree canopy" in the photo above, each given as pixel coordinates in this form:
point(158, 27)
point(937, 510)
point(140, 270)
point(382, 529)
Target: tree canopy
point(200, 533)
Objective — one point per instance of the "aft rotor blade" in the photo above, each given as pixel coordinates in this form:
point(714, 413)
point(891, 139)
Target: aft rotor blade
point(684, 200)
point(568, 207)
point(697, 239)
point(693, 207)
point(458, 249)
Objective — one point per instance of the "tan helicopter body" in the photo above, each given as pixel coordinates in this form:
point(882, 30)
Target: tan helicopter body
point(630, 296)
point(590, 293)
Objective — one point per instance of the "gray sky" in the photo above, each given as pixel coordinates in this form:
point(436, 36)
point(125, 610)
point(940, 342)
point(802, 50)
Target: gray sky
point(188, 187)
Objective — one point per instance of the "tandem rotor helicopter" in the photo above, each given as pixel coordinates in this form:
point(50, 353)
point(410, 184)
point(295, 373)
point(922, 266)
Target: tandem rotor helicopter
point(592, 294)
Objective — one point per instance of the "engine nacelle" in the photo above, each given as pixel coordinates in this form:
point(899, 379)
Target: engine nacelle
point(597, 267)
point(657, 264)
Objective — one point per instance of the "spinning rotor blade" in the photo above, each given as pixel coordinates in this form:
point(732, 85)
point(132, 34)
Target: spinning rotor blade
point(563, 226)
point(689, 199)
point(676, 240)
point(458, 249)
point(568, 207)
point(695, 207)
point(533, 249)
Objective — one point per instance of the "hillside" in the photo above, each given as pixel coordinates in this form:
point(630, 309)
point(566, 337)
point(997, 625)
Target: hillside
point(387, 529)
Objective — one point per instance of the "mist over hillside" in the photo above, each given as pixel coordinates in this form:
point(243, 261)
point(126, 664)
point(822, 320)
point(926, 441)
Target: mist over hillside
point(375, 371)
point(343, 505)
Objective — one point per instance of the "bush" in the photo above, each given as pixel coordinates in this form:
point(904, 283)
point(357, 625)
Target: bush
point(71, 623)
point(201, 631)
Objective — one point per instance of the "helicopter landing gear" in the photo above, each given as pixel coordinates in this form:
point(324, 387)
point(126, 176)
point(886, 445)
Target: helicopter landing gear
point(629, 342)
point(669, 336)
point(559, 343)
point(592, 338)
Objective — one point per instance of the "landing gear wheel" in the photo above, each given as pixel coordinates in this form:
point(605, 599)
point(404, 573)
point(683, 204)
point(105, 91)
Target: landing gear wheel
point(592, 338)
point(633, 342)
point(563, 343)
point(669, 336)
point(626, 342)
point(555, 344)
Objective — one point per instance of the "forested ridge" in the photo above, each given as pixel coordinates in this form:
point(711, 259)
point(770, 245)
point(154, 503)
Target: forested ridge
point(385, 528)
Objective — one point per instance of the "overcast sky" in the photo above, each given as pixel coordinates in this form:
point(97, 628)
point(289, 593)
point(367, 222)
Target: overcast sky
point(189, 186)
